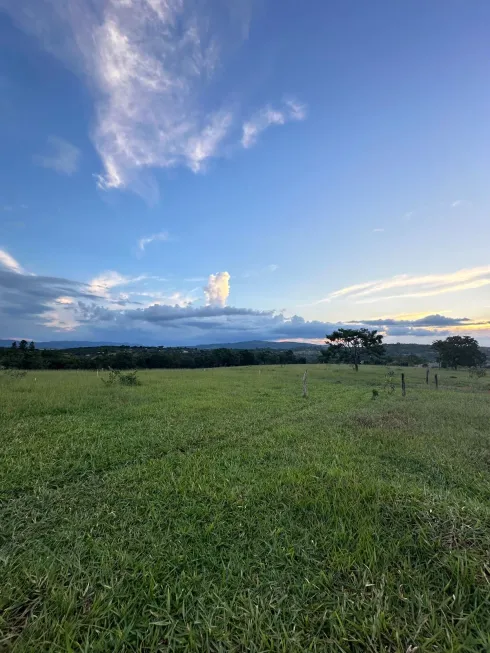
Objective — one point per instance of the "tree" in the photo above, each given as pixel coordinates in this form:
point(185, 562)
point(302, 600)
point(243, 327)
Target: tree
point(459, 351)
point(23, 345)
point(14, 345)
point(32, 346)
point(350, 345)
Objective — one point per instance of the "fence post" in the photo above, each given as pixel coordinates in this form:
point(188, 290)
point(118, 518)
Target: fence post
point(427, 376)
point(305, 384)
point(404, 392)
point(437, 381)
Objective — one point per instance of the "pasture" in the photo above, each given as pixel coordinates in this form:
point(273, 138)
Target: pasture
point(221, 511)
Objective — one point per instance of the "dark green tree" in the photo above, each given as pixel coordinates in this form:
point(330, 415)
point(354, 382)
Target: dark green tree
point(23, 345)
point(14, 345)
point(457, 351)
point(352, 345)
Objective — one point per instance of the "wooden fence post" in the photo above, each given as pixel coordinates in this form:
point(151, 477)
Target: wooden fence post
point(305, 384)
point(404, 392)
point(437, 381)
point(427, 376)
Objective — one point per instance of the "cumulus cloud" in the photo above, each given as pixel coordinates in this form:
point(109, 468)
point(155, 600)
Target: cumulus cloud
point(9, 263)
point(143, 242)
point(217, 289)
point(406, 285)
point(268, 116)
point(64, 157)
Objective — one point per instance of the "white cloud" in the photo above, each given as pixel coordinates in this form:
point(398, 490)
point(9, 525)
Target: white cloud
point(154, 68)
point(266, 117)
point(8, 262)
point(378, 230)
point(414, 286)
point(272, 267)
point(102, 284)
point(150, 65)
point(204, 145)
point(143, 242)
point(218, 289)
point(65, 301)
point(64, 157)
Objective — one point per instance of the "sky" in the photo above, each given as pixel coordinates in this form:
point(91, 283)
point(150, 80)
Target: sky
point(199, 171)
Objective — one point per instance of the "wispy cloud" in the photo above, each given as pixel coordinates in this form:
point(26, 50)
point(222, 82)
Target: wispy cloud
point(103, 283)
point(414, 286)
point(378, 230)
point(458, 203)
point(268, 116)
point(9, 263)
point(143, 242)
point(155, 71)
point(258, 271)
point(63, 158)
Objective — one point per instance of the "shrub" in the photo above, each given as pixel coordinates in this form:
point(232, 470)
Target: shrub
point(115, 376)
point(130, 378)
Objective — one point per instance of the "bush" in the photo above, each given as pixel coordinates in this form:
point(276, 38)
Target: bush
point(130, 378)
point(115, 376)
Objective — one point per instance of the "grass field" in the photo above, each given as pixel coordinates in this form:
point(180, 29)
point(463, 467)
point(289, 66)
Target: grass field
point(220, 511)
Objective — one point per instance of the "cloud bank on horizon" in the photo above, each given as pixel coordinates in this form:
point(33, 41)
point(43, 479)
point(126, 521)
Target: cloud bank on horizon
point(113, 306)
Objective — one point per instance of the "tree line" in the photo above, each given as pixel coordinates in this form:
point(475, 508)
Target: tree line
point(352, 346)
point(25, 356)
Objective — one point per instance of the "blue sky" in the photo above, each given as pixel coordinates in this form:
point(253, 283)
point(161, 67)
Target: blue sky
point(179, 171)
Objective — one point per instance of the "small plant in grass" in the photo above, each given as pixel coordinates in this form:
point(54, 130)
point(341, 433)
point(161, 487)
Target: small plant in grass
point(112, 378)
point(477, 372)
point(375, 394)
point(15, 374)
point(390, 381)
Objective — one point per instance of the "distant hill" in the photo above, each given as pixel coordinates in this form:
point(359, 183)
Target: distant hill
point(252, 344)
point(259, 344)
point(66, 344)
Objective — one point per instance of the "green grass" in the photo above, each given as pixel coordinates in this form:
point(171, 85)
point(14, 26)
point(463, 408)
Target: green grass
point(220, 511)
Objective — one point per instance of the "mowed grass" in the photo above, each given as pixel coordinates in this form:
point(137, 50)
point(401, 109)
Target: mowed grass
point(220, 511)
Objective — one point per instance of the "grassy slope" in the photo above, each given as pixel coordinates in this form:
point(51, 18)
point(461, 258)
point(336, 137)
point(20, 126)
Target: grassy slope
point(220, 511)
